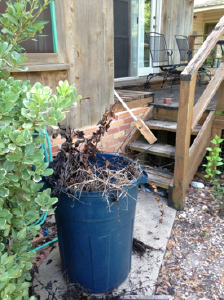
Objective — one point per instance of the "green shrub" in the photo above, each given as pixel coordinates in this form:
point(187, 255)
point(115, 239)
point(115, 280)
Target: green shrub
point(212, 172)
point(24, 112)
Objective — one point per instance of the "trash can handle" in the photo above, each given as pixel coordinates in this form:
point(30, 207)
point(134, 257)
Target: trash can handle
point(144, 177)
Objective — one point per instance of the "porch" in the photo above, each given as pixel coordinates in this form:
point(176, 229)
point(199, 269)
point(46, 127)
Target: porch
point(191, 121)
point(159, 159)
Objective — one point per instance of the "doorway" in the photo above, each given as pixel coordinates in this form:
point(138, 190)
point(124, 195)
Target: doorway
point(122, 21)
point(132, 19)
point(149, 20)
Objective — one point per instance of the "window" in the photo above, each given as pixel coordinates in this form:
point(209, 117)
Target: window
point(46, 44)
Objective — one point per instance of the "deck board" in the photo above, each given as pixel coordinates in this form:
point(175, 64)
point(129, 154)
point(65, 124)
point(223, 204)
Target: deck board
point(158, 177)
point(168, 126)
point(130, 95)
point(156, 149)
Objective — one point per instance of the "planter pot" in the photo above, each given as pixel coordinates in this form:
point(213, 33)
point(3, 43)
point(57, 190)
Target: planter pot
point(95, 243)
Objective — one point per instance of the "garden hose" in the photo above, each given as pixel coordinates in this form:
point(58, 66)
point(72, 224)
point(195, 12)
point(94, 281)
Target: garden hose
point(48, 157)
point(45, 245)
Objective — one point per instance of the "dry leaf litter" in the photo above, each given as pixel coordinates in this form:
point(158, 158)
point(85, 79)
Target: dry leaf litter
point(193, 266)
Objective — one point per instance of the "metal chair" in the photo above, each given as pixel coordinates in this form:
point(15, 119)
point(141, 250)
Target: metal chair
point(161, 57)
point(186, 55)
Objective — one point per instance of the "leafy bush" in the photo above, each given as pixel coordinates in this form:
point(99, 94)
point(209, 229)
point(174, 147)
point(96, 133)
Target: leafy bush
point(214, 161)
point(24, 111)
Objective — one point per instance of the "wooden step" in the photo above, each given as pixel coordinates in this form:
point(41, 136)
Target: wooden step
point(156, 149)
point(166, 112)
point(168, 126)
point(160, 178)
point(133, 99)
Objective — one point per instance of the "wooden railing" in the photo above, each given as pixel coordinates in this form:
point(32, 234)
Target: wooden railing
point(187, 159)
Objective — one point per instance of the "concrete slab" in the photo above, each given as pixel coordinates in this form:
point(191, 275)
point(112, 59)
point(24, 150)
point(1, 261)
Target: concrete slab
point(145, 269)
point(147, 229)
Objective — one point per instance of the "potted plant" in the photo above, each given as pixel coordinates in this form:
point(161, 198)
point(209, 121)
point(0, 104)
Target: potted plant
point(97, 194)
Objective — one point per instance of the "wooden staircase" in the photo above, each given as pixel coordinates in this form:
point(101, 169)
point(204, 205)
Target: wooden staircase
point(157, 176)
point(187, 121)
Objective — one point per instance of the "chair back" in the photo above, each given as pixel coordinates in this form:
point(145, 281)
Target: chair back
point(158, 49)
point(184, 49)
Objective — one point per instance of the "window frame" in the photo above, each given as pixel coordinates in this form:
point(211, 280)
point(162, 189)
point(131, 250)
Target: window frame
point(52, 61)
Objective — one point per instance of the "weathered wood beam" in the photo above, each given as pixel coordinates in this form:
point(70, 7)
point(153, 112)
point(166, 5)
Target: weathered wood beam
point(184, 121)
point(207, 95)
point(135, 132)
point(90, 52)
point(168, 126)
point(198, 148)
point(218, 124)
point(133, 104)
point(220, 100)
point(203, 52)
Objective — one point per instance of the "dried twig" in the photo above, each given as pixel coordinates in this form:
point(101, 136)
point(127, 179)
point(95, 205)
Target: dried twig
point(78, 167)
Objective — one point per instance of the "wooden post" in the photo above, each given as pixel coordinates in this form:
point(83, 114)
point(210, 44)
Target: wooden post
point(184, 121)
point(220, 100)
point(191, 43)
point(218, 123)
point(90, 53)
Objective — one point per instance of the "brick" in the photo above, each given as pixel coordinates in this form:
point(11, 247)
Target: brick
point(123, 115)
point(118, 146)
point(57, 141)
point(124, 127)
point(113, 130)
point(89, 131)
point(167, 100)
point(107, 138)
point(103, 145)
point(110, 150)
point(128, 131)
point(123, 138)
point(119, 134)
point(116, 117)
point(128, 120)
point(112, 143)
point(81, 147)
point(55, 149)
point(132, 124)
point(116, 123)
point(139, 110)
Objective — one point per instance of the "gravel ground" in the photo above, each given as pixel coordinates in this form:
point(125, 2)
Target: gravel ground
point(193, 266)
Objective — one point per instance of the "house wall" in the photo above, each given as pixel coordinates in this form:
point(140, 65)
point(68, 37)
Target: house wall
point(200, 19)
point(177, 19)
point(46, 78)
point(85, 58)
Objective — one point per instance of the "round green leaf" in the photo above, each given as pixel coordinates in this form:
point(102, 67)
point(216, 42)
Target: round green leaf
point(4, 192)
point(2, 173)
point(15, 156)
point(21, 234)
point(2, 246)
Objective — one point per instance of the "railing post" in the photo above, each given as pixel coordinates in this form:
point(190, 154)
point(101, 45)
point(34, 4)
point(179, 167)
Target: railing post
point(191, 43)
point(184, 121)
point(218, 124)
point(220, 100)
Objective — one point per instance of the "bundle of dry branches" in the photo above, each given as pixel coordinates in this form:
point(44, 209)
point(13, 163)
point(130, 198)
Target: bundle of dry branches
point(78, 167)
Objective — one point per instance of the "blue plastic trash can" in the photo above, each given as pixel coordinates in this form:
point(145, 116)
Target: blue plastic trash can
point(95, 244)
